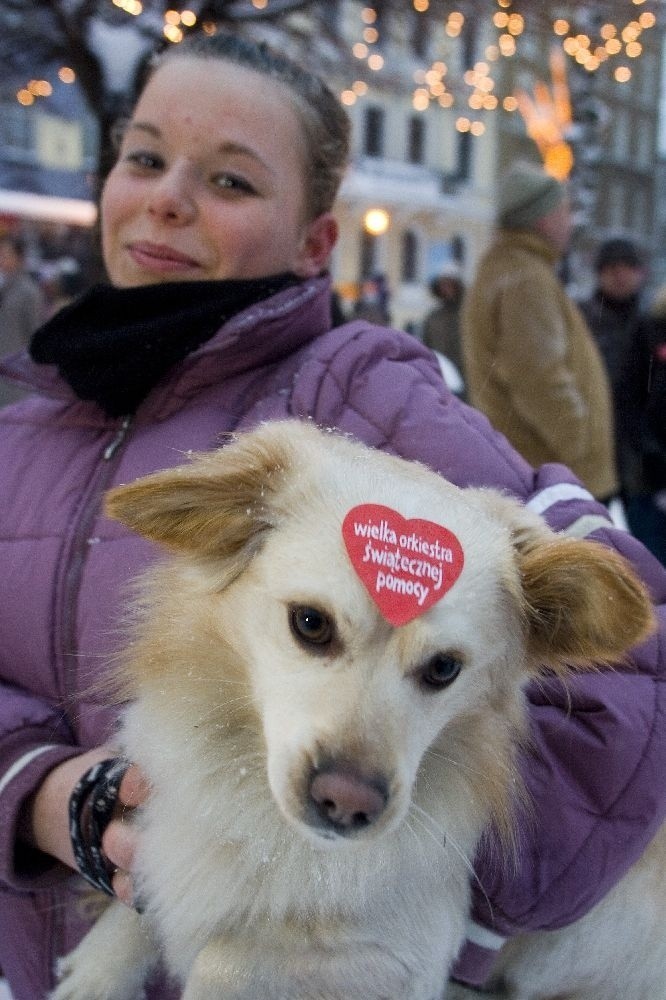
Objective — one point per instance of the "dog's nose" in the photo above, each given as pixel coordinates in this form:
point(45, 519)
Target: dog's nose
point(346, 801)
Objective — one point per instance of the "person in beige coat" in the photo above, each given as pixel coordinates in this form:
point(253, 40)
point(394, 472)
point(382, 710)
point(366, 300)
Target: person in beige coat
point(532, 364)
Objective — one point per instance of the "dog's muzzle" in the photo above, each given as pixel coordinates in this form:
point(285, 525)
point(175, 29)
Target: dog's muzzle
point(343, 802)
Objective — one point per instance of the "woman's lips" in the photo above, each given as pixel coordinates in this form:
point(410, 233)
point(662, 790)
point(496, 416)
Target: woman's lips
point(158, 257)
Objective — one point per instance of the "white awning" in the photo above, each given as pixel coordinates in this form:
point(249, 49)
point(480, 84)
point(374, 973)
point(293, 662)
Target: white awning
point(73, 211)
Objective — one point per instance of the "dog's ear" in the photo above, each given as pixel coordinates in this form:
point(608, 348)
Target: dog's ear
point(583, 602)
point(214, 506)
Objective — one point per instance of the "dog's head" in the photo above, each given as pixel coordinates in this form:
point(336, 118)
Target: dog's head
point(284, 559)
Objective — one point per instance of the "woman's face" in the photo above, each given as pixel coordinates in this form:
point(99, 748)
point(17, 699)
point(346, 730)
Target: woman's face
point(209, 183)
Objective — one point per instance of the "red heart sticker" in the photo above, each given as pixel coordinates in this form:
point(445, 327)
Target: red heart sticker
point(406, 565)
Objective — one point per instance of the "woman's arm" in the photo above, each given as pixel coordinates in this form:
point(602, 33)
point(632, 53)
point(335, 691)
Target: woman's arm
point(44, 822)
point(39, 767)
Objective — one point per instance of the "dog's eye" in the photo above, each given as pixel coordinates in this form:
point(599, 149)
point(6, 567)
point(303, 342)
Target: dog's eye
point(310, 625)
point(439, 671)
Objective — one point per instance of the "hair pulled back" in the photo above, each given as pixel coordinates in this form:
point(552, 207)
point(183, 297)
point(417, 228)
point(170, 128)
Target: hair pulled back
point(324, 121)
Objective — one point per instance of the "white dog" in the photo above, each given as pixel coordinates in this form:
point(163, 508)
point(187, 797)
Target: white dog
point(326, 697)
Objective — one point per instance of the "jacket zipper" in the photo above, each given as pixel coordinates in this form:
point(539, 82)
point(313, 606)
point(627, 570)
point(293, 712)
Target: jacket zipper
point(79, 544)
point(113, 447)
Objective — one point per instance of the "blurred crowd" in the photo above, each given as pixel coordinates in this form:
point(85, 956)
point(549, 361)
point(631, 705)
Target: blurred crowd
point(577, 382)
point(29, 295)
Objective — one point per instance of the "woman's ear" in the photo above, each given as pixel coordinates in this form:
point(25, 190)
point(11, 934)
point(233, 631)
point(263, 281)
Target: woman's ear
point(318, 240)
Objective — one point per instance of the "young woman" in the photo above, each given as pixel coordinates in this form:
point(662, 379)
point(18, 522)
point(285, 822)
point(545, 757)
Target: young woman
point(216, 232)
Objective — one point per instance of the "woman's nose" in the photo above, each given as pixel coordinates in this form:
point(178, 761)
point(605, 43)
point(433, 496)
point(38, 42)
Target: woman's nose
point(172, 199)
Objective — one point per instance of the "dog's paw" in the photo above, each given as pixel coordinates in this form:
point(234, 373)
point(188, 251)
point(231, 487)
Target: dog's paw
point(87, 974)
point(78, 984)
point(82, 978)
point(112, 961)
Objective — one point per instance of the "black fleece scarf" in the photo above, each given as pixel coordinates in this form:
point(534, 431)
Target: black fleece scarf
point(113, 345)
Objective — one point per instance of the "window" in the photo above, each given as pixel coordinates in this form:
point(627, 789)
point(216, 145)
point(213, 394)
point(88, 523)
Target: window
point(16, 130)
point(621, 141)
point(416, 139)
point(368, 261)
point(641, 217)
point(381, 22)
point(331, 15)
point(374, 131)
point(420, 35)
point(409, 256)
point(458, 248)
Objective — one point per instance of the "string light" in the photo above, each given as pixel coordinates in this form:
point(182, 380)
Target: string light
point(133, 7)
point(590, 50)
point(40, 88)
point(172, 33)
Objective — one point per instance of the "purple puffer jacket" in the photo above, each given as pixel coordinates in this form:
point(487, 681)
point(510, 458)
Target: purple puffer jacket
point(64, 570)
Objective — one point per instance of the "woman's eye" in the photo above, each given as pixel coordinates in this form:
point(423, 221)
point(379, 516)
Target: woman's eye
point(148, 161)
point(311, 625)
point(232, 182)
point(439, 671)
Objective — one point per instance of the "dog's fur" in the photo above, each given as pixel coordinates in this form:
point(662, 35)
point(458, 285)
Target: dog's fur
point(250, 894)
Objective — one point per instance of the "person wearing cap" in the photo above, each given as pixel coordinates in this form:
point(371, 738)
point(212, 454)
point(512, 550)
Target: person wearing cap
point(441, 327)
point(531, 362)
point(613, 312)
point(615, 316)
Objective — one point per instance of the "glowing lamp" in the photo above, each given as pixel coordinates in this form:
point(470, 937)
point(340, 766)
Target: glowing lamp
point(376, 221)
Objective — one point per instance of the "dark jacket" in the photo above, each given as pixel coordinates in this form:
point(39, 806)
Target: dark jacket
point(65, 570)
point(620, 330)
point(441, 331)
point(613, 324)
point(642, 406)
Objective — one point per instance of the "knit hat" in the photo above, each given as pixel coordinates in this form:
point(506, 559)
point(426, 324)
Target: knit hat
point(618, 251)
point(526, 193)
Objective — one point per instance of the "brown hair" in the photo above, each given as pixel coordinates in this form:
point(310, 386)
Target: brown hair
point(324, 121)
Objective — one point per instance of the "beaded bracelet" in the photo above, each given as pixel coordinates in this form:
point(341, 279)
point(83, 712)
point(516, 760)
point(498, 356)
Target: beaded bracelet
point(91, 806)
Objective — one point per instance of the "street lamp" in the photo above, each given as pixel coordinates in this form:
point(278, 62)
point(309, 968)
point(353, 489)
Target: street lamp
point(376, 221)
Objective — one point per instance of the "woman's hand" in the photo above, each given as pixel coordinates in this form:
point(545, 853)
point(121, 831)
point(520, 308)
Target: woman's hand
point(46, 824)
point(120, 837)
